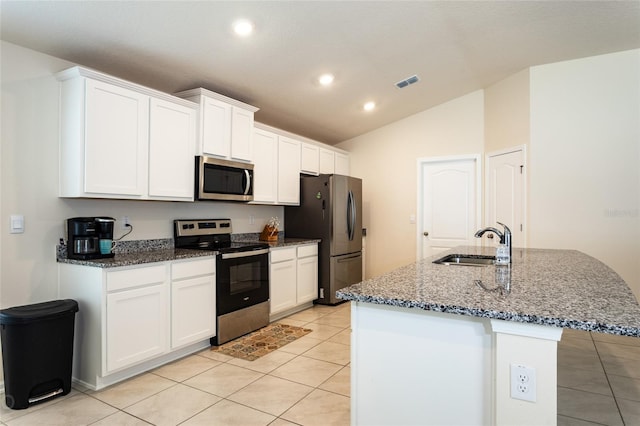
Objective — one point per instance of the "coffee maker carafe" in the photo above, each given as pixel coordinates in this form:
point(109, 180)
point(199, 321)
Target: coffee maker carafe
point(84, 234)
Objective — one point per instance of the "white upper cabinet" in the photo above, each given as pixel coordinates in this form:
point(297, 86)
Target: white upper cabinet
point(276, 170)
point(309, 159)
point(341, 164)
point(214, 122)
point(265, 167)
point(241, 133)
point(334, 162)
point(171, 139)
point(225, 125)
point(121, 140)
point(288, 171)
point(327, 160)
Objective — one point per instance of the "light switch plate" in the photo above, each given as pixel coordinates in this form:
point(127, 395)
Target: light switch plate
point(16, 224)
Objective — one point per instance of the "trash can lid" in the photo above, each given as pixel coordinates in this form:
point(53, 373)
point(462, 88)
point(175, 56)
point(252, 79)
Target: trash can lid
point(38, 311)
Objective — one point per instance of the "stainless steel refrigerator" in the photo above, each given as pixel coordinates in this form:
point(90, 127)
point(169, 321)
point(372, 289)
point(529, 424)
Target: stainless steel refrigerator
point(331, 210)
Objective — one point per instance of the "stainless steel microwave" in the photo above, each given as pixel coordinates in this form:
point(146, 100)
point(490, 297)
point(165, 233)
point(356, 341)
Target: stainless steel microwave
point(224, 180)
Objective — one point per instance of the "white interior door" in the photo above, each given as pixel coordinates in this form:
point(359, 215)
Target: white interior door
point(505, 192)
point(448, 197)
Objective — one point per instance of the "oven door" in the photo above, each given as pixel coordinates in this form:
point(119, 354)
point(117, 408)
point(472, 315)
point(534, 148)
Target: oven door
point(242, 280)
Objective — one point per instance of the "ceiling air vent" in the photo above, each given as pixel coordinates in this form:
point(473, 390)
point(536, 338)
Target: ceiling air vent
point(404, 83)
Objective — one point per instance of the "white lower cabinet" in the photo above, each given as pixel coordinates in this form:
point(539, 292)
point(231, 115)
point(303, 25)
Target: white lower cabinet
point(136, 325)
point(307, 273)
point(282, 279)
point(293, 278)
point(132, 319)
point(193, 301)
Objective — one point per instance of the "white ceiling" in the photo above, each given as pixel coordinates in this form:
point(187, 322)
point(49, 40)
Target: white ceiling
point(455, 47)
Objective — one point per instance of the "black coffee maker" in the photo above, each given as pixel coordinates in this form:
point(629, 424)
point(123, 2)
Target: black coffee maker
point(84, 235)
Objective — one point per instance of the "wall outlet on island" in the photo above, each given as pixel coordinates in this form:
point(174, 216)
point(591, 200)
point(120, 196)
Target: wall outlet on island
point(523, 382)
point(252, 219)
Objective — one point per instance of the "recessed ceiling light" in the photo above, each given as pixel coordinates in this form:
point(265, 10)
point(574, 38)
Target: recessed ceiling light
point(243, 27)
point(326, 79)
point(369, 106)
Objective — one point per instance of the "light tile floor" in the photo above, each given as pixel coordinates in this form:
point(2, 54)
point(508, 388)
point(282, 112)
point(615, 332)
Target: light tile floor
point(307, 383)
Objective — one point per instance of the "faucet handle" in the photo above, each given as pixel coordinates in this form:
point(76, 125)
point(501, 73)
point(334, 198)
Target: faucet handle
point(506, 228)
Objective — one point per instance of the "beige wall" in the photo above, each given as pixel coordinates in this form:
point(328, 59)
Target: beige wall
point(506, 113)
point(580, 121)
point(29, 185)
point(386, 160)
point(584, 155)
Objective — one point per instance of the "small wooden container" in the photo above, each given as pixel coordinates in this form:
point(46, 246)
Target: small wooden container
point(269, 233)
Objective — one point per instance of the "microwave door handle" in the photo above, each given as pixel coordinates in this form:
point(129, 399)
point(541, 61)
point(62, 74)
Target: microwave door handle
point(247, 187)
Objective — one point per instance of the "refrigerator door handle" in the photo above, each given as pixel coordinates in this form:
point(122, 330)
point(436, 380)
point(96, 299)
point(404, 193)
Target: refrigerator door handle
point(350, 216)
point(347, 259)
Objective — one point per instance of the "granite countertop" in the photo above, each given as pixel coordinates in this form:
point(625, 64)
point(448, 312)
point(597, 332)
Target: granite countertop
point(561, 288)
point(139, 257)
point(130, 253)
point(286, 242)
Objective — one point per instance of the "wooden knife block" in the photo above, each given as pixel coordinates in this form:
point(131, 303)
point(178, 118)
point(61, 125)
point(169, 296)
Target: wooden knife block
point(269, 233)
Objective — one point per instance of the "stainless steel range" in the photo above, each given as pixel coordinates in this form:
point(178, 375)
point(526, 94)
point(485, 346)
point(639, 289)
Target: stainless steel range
point(242, 275)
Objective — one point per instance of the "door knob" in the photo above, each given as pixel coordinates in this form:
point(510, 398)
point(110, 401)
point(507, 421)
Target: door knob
point(425, 233)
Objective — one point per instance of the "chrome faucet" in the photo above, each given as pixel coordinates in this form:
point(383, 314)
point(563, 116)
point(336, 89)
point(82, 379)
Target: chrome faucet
point(505, 236)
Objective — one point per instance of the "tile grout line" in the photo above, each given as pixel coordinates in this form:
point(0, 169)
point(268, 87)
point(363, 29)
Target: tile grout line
point(606, 374)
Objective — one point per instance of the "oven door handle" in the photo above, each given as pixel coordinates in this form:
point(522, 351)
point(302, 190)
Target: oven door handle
point(244, 254)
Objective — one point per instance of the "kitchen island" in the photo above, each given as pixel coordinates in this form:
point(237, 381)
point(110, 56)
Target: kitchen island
point(436, 344)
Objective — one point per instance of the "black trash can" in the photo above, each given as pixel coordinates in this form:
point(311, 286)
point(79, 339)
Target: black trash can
point(37, 351)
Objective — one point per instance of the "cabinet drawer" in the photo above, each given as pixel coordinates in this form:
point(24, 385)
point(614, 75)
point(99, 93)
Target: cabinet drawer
point(309, 250)
point(280, 255)
point(129, 278)
point(193, 268)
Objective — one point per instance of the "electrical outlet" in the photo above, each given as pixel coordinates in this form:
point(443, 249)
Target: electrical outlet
point(523, 382)
point(125, 222)
point(252, 219)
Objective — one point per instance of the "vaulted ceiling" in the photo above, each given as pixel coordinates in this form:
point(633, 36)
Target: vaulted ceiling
point(454, 47)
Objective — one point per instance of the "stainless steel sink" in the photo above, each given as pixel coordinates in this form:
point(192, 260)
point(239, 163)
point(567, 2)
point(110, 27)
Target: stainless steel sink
point(466, 260)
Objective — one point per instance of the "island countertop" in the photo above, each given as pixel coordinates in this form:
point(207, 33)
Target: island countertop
point(559, 288)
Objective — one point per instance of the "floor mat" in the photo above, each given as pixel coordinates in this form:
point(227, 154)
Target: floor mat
point(261, 342)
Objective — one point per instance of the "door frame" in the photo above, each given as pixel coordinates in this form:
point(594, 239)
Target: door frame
point(525, 184)
point(420, 200)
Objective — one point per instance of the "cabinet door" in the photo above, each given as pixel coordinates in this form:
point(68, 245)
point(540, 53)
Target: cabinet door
point(171, 150)
point(136, 325)
point(193, 310)
point(241, 134)
point(282, 285)
point(341, 164)
point(309, 159)
point(116, 140)
point(307, 279)
point(215, 127)
point(327, 159)
point(288, 171)
point(265, 166)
